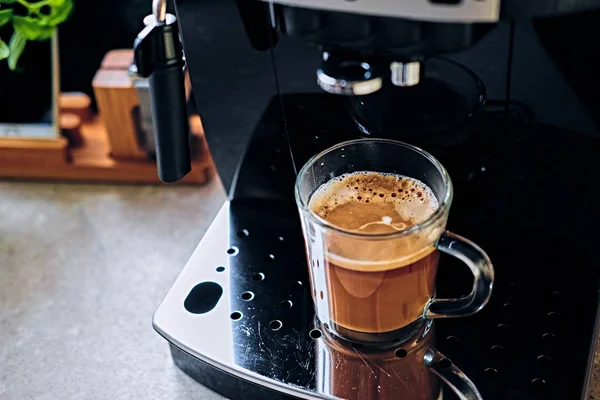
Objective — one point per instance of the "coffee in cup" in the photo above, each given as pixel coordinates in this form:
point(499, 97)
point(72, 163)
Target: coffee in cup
point(385, 289)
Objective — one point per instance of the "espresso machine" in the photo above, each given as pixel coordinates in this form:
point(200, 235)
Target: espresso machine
point(503, 92)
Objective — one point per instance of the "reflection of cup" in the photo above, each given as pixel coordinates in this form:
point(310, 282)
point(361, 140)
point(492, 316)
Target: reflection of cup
point(409, 372)
point(381, 287)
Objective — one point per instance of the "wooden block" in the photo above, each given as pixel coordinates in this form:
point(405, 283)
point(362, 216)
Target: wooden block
point(70, 126)
point(20, 153)
point(69, 121)
point(112, 79)
point(117, 59)
point(75, 103)
point(117, 99)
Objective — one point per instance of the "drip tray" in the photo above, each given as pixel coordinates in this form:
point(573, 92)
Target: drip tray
point(252, 331)
point(240, 317)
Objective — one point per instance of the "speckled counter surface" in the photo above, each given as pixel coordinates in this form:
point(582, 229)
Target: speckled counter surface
point(82, 270)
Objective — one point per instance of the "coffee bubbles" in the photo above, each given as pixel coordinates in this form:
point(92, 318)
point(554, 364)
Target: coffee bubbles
point(373, 202)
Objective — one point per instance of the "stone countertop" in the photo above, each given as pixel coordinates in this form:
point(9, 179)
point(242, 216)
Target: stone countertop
point(82, 270)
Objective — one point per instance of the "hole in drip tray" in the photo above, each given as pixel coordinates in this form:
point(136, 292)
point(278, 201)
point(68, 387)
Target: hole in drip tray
point(491, 373)
point(298, 284)
point(508, 308)
point(314, 334)
point(401, 353)
point(269, 257)
point(453, 340)
point(259, 276)
point(538, 384)
point(233, 251)
point(220, 268)
point(445, 363)
point(497, 350)
point(286, 304)
point(236, 315)
point(544, 360)
point(203, 297)
point(503, 329)
point(549, 338)
point(275, 325)
point(243, 233)
point(554, 317)
point(247, 296)
point(558, 297)
point(281, 238)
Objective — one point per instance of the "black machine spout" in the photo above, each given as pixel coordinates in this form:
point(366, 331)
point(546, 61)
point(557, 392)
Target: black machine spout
point(158, 55)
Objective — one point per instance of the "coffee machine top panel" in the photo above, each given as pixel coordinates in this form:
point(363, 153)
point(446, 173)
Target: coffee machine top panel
point(465, 11)
point(423, 10)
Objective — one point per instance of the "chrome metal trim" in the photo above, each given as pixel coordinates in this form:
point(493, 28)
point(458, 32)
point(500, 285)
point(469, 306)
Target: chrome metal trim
point(405, 74)
point(175, 324)
point(466, 11)
point(345, 87)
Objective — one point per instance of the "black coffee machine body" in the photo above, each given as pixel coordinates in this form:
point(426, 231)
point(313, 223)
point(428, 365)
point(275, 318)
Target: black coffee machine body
point(503, 92)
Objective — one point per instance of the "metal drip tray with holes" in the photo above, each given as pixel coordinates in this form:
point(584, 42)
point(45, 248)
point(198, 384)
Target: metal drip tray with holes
point(240, 318)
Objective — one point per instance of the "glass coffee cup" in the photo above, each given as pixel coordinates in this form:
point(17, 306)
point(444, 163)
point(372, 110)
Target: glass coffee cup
point(373, 286)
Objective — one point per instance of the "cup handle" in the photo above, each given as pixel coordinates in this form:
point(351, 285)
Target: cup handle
point(483, 273)
point(452, 376)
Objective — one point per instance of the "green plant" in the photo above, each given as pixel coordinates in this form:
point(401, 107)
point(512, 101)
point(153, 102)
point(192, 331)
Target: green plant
point(31, 20)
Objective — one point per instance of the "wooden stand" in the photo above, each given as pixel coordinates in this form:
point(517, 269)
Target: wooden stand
point(86, 151)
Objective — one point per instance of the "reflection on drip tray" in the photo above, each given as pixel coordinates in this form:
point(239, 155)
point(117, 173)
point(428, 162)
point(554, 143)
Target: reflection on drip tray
point(352, 371)
point(410, 371)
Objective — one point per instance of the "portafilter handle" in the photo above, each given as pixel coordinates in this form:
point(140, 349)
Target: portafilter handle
point(158, 56)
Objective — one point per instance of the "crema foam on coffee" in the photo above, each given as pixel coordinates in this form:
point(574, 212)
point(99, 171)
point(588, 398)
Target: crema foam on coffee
point(373, 202)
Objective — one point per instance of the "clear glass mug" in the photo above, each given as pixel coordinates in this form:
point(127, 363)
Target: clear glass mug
point(381, 287)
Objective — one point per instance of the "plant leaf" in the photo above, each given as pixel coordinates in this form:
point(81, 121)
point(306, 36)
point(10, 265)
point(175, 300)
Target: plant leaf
point(56, 3)
point(60, 12)
point(4, 50)
point(31, 28)
point(16, 45)
point(5, 16)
